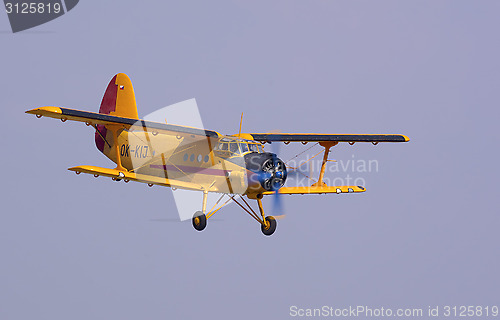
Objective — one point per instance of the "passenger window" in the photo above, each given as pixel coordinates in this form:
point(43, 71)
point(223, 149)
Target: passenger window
point(223, 147)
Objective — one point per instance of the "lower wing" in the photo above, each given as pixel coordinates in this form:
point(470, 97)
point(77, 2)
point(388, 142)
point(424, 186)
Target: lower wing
point(131, 176)
point(318, 190)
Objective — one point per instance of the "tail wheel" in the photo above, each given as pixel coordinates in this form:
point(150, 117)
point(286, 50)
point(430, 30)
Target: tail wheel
point(199, 221)
point(270, 226)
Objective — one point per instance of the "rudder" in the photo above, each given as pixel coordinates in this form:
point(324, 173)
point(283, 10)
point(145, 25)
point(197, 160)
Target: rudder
point(118, 100)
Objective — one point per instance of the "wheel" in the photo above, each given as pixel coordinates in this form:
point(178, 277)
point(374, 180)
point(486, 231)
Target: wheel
point(199, 221)
point(271, 226)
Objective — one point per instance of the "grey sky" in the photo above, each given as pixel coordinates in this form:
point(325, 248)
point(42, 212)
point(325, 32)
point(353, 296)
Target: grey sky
point(425, 233)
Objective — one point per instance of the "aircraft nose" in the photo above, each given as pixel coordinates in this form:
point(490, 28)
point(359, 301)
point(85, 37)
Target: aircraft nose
point(269, 170)
point(264, 175)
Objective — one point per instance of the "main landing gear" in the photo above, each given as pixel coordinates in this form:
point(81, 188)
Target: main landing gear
point(199, 221)
point(267, 224)
point(199, 218)
point(269, 227)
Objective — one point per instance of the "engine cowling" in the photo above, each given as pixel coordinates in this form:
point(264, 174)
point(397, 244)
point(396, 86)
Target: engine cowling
point(267, 171)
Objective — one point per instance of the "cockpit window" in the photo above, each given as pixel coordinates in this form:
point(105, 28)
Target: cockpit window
point(243, 147)
point(233, 147)
point(229, 148)
point(255, 147)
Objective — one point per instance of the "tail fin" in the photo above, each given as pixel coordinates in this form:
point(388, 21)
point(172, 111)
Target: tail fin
point(118, 100)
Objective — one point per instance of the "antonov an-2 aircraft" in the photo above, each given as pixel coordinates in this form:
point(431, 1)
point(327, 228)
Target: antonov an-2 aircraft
point(188, 158)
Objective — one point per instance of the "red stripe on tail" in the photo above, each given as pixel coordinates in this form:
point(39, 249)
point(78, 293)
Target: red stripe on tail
point(108, 105)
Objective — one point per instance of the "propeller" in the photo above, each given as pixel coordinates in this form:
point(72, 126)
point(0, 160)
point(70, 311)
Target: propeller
point(277, 202)
point(298, 173)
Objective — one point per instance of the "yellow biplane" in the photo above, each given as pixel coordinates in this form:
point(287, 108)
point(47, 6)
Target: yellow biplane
point(189, 158)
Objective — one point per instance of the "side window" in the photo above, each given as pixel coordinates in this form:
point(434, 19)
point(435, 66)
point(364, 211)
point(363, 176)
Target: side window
point(223, 146)
point(253, 147)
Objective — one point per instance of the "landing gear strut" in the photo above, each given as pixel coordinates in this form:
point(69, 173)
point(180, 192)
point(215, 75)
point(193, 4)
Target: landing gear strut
point(199, 218)
point(268, 224)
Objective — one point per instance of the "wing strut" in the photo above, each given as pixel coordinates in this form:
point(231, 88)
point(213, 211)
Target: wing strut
point(114, 129)
point(204, 204)
point(100, 134)
point(327, 146)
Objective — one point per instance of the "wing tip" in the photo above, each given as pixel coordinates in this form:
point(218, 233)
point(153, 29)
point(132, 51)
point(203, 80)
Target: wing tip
point(42, 110)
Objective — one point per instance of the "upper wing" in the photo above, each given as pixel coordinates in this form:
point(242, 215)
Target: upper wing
point(319, 137)
point(92, 118)
point(326, 141)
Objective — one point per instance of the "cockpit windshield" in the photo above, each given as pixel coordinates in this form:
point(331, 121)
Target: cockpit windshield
point(229, 147)
point(243, 147)
point(254, 147)
point(233, 147)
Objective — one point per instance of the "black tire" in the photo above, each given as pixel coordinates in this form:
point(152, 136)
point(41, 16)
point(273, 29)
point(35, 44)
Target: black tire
point(272, 226)
point(199, 221)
